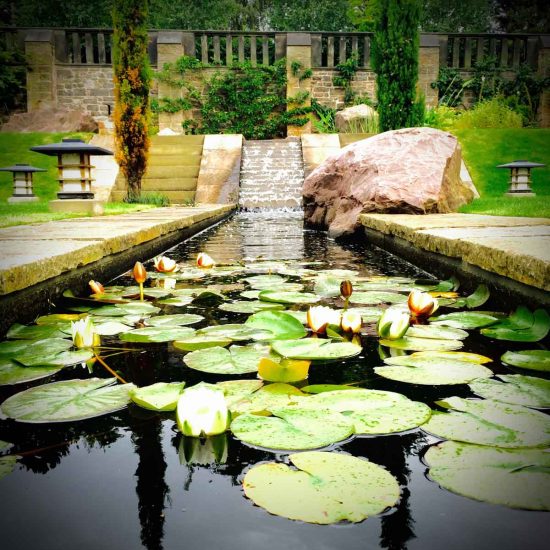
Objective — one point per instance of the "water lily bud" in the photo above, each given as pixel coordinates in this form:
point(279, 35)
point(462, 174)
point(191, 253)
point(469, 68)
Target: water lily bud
point(346, 288)
point(204, 260)
point(139, 273)
point(422, 304)
point(393, 324)
point(163, 264)
point(318, 317)
point(202, 411)
point(97, 288)
point(84, 335)
point(351, 321)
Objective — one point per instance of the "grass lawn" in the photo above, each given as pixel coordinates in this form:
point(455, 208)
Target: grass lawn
point(484, 149)
point(14, 148)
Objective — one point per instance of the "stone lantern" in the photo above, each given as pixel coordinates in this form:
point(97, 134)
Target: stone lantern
point(520, 177)
point(75, 175)
point(22, 182)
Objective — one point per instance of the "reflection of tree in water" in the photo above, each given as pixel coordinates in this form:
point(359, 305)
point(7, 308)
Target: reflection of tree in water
point(392, 452)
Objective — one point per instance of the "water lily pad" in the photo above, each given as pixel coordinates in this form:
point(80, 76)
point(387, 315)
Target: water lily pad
point(315, 349)
point(533, 359)
point(251, 294)
point(422, 344)
point(460, 355)
point(235, 360)
point(428, 370)
point(264, 281)
point(320, 388)
point(236, 390)
point(110, 328)
point(326, 488)
point(11, 347)
point(67, 401)
point(176, 320)
point(36, 353)
point(327, 286)
point(37, 332)
point(529, 391)
point(156, 334)
point(434, 331)
point(202, 341)
point(284, 370)
point(292, 430)
point(58, 319)
point(264, 399)
point(234, 331)
point(288, 297)
point(177, 301)
point(300, 315)
point(488, 422)
point(370, 411)
point(480, 295)
point(512, 330)
point(12, 373)
point(368, 314)
point(465, 319)
point(249, 306)
point(162, 396)
point(133, 292)
point(281, 325)
point(377, 297)
point(517, 478)
point(7, 465)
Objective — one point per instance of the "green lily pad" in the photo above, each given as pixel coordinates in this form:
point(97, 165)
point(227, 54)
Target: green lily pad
point(67, 401)
point(40, 352)
point(156, 334)
point(264, 399)
point(434, 331)
point(491, 423)
point(368, 314)
point(288, 297)
point(533, 359)
point(107, 311)
point(177, 301)
point(162, 396)
point(464, 319)
point(36, 332)
point(110, 328)
point(300, 315)
point(12, 373)
point(138, 308)
point(326, 488)
point(151, 293)
point(517, 478)
point(434, 371)
point(12, 347)
point(320, 388)
point(176, 320)
point(250, 294)
point(58, 319)
point(234, 331)
point(370, 411)
point(281, 325)
point(236, 390)
point(480, 295)
point(315, 349)
point(377, 297)
point(327, 286)
point(411, 343)
point(235, 360)
point(509, 329)
point(201, 341)
point(249, 306)
point(261, 282)
point(292, 430)
point(7, 465)
point(529, 391)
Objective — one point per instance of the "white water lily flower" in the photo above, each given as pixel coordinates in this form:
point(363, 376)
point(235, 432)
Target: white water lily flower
point(318, 317)
point(84, 334)
point(202, 411)
point(393, 324)
point(421, 303)
point(163, 264)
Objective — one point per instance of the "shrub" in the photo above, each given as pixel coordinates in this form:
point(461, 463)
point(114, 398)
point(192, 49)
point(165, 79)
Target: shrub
point(441, 117)
point(493, 113)
point(151, 197)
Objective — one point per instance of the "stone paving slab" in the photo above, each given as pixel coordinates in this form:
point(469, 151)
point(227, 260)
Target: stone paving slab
point(517, 248)
point(34, 253)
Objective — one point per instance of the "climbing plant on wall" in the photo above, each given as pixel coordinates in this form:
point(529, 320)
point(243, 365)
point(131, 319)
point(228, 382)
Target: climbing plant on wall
point(132, 79)
point(395, 59)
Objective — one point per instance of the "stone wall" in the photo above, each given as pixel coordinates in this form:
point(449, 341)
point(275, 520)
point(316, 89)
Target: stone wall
point(329, 95)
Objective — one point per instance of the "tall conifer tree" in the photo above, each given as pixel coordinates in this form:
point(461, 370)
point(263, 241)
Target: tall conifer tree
point(132, 78)
point(395, 59)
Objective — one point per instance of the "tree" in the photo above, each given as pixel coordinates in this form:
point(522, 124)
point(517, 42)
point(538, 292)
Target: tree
point(463, 16)
point(132, 79)
point(395, 58)
point(308, 15)
point(523, 15)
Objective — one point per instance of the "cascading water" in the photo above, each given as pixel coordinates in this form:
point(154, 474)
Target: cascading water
point(272, 175)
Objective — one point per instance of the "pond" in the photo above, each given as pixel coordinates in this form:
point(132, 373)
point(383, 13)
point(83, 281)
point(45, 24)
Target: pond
point(130, 479)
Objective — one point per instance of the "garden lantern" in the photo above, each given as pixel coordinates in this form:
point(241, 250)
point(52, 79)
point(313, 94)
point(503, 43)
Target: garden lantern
point(22, 182)
point(75, 174)
point(520, 177)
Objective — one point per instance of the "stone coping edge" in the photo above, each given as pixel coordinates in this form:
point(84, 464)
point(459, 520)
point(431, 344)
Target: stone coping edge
point(25, 305)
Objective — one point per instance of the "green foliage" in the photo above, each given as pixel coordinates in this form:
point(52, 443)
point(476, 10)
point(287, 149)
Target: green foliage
point(493, 113)
point(450, 86)
point(441, 117)
point(307, 15)
point(346, 73)
point(395, 57)
point(361, 14)
point(132, 84)
point(150, 197)
point(465, 16)
point(13, 73)
point(326, 118)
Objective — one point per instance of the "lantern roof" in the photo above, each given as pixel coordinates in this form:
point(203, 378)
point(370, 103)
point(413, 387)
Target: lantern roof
point(22, 168)
point(70, 145)
point(521, 164)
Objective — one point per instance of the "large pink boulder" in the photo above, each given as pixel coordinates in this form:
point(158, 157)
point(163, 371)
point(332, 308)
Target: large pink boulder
point(408, 171)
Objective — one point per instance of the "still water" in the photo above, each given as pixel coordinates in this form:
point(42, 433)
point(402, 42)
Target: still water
point(126, 481)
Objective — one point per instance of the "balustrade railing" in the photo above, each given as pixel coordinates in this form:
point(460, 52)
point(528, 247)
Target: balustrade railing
point(84, 46)
point(331, 49)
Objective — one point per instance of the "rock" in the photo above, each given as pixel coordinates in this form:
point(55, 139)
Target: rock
point(408, 171)
point(356, 119)
point(51, 120)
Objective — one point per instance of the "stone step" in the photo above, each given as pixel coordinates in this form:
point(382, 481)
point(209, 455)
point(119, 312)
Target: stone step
point(162, 172)
point(192, 158)
point(183, 139)
point(169, 184)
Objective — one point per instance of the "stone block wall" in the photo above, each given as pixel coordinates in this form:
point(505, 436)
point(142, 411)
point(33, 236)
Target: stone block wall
point(428, 70)
point(329, 95)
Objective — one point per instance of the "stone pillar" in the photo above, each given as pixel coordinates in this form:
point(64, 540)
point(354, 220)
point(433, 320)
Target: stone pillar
point(169, 49)
point(544, 72)
point(41, 74)
point(298, 48)
point(428, 67)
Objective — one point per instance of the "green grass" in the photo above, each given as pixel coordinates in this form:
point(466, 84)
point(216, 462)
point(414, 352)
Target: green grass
point(484, 149)
point(14, 148)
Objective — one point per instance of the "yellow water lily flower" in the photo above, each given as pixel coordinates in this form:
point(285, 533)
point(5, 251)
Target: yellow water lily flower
point(83, 333)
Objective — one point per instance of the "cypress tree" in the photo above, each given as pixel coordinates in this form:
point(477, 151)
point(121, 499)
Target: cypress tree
point(132, 78)
point(395, 60)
